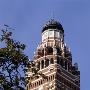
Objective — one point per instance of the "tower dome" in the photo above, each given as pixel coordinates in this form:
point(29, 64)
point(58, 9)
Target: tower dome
point(52, 24)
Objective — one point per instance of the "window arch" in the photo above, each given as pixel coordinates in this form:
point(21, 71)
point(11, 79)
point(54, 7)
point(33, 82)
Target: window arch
point(50, 50)
point(39, 82)
point(35, 84)
point(66, 65)
point(51, 61)
point(46, 62)
point(51, 77)
point(42, 64)
point(38, 65)
point(58, 50)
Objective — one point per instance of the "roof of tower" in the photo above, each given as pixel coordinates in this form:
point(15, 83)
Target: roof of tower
point(52, 24)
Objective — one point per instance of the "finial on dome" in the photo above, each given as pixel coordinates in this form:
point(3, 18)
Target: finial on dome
point(52, 14)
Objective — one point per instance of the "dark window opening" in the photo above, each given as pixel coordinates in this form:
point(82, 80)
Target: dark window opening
point(62, 62)
point(39, 82)
point(66, 65)
point(69, 67)
point(46, 62)
point(50, 50)
point(42, 64)
point(58, 50)
point(35, 84)
point(38, 66)
point(51, 61)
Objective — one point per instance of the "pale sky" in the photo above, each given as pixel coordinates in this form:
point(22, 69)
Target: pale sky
point(27, 17)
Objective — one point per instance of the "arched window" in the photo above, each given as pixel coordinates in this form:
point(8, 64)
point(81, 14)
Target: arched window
point(66, 65)
point(46, 62)
point(42, 64)
point(69, 67)
point(62, 62)
point(51, 61)
point(51, 77)
point(30, 86)
point(58, 50)
point(35, 84)
point(39, 82)
point(38, 65)
point(50, 50)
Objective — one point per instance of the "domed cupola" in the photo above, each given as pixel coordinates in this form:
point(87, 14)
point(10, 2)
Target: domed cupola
point(52, 24)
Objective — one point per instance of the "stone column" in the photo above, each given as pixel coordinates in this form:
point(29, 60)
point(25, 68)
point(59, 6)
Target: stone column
point(44, 63)
point(40, 65)
point(36, 65)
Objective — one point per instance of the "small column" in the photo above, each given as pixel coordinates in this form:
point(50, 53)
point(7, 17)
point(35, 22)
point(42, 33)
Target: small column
point(44, 63)
point(40, 65)
point(55, 53)
point(36, 65)
point(67, 66)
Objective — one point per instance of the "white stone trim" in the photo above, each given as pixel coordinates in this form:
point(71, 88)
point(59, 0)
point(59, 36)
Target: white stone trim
point(43, 84)
point(41, 77)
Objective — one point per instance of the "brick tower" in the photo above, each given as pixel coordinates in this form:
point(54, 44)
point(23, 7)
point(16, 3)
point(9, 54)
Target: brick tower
point(53, 61)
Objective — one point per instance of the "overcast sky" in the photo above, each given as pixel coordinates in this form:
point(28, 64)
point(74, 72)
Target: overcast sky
point(27, 17)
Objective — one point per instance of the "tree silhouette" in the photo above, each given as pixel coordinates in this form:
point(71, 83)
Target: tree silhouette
point(13, 62)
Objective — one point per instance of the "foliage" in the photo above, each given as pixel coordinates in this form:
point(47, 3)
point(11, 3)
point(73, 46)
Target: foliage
point(13, 62)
